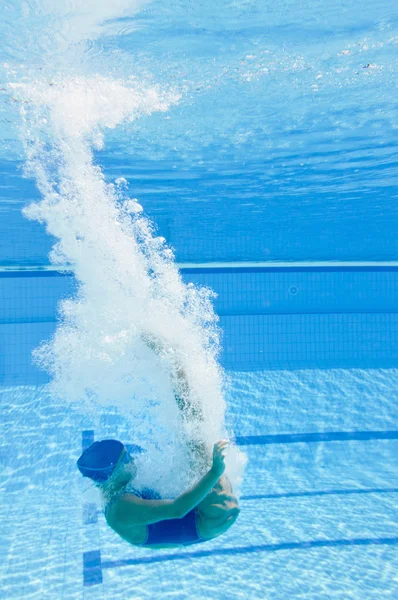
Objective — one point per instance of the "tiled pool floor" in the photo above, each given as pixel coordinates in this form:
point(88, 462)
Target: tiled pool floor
point(318, 520)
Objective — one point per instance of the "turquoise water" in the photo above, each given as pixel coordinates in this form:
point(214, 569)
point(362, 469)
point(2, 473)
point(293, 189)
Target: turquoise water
point(251, 149)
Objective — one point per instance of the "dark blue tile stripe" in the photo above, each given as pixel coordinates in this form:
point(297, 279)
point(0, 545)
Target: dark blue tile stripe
point(209, 270)
point(285, 438)
point(92, 569)
point(319, 493)
point(252, 549)
point(286, 269)
point(332, 436)
point(87, 438)
point(22, 320)
point(247, 312)
point(35, 273)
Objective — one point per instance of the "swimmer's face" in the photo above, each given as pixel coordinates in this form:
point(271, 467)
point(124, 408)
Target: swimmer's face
point(128, 463)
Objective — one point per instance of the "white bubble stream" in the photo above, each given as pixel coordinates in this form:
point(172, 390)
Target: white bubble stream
point(134, 334)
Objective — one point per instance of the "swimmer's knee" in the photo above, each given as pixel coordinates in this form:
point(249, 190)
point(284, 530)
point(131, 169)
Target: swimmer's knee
point(223, 484)
point(230, 519)
point(223, 524)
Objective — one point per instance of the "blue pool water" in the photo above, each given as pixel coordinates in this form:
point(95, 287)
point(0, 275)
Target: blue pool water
point(223, 177)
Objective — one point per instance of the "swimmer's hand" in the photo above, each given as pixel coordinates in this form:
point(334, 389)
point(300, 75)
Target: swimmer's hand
point(219, 457)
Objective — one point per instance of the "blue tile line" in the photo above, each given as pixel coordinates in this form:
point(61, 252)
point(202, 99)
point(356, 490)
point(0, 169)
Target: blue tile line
point(220, 269)
point(266, 312)
point(332, 436)
point(320, 493)
point(22, 320)
point(285, 438)
point(252, 549)
point(92, 571)
point(245, 312)
point(35, 273)
point(286, 269)
point(92, 568)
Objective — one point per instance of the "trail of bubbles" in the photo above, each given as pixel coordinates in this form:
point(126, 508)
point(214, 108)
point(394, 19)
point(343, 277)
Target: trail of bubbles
point(134, 334)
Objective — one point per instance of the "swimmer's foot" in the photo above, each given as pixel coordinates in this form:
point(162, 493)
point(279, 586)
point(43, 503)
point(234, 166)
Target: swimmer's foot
point(200, 456)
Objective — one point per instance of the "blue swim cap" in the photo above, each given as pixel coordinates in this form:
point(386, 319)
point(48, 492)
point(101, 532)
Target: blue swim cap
point(99, 460)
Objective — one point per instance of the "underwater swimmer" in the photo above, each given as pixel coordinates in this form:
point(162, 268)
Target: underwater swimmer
point(201, 513)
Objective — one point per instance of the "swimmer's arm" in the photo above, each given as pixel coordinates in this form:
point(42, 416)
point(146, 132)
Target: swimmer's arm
point(158, 346)
point(191, 498)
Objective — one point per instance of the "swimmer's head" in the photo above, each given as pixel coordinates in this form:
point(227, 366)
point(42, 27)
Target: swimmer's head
point(102, 460)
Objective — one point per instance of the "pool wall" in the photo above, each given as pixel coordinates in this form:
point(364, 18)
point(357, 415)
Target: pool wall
point(286, 316)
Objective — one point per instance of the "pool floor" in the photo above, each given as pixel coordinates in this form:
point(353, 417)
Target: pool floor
point(318, 518)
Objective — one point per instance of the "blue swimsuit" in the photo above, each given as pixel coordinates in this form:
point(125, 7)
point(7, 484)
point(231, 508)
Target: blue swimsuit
point(172, 531)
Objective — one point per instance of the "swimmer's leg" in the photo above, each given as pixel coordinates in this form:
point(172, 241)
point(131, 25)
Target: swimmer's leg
point(189, 409)
point(220, 499)
point(200, 455)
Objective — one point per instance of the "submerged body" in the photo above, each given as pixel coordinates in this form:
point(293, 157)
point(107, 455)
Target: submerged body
point(128, 512)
